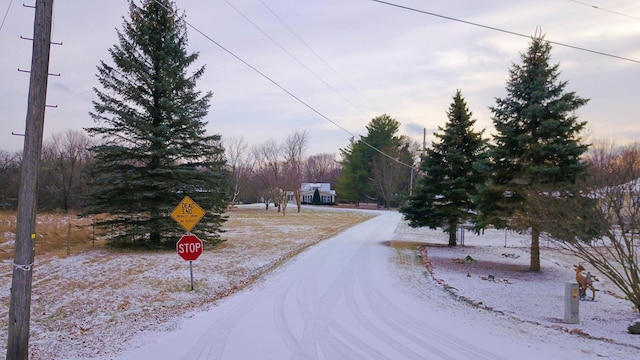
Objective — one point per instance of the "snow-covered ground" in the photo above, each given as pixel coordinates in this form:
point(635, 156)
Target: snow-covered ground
point(366, 293)
point(498, 280)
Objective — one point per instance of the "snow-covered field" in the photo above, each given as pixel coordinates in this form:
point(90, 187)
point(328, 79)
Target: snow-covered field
point(106, 316)
point(497, 280)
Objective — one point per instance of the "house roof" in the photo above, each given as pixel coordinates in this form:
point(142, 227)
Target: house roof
point(313, 186)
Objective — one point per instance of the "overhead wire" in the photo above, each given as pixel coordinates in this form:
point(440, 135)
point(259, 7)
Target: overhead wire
point(265, 76)
point(315, 53)
point(502, 30)
point(603, 9)
point(5, 15)
point(313, 109)
point(292, 56)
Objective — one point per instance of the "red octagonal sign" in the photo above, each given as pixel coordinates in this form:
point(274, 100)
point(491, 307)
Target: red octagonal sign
point(189, 247)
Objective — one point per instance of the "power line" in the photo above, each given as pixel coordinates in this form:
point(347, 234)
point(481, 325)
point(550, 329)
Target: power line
point(316, 54)
point(284, 89)
point(603, 9)
point(293, 56)
point(5, 15)
point(502, 30)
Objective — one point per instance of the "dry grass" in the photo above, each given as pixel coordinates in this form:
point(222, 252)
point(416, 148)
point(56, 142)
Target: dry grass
point(52, 230)
point(52, 234)
point(271, 226)
point(79, 300)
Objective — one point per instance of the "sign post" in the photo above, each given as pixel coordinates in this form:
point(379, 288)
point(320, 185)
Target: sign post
point(189, 247)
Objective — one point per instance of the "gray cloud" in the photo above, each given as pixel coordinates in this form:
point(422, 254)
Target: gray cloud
point(405, 64)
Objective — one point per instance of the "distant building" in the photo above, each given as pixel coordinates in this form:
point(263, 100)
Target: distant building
point(307, 190)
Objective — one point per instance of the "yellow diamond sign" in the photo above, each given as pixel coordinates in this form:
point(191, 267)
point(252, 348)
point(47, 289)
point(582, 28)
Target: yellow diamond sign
point(187, 213)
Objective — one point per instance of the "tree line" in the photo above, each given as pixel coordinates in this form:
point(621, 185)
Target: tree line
point(62, 178)
point(251, 170)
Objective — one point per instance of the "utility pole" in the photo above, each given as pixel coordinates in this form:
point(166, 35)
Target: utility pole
point(20, 308)
point(424, 140)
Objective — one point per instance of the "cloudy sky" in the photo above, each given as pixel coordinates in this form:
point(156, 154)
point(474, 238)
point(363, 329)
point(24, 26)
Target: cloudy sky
point(344, 61)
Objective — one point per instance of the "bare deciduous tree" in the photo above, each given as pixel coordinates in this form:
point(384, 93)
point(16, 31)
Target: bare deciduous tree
point(599, 221)
point(388, 175)
point(65, 157)
point(269, 170)
point(321, 168)
point(9, 178)
point(238, 161)
point(293, 149)
point(279, 169)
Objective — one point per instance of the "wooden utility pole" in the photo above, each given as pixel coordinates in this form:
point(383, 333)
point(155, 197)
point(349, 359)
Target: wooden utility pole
point(20, 308)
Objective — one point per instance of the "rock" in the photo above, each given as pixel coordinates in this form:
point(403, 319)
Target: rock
point(634, 327)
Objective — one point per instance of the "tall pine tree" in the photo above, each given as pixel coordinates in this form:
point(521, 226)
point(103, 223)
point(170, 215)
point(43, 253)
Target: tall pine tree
point(353, 183)
point(537, 147)
point(153, 148)
point(372, 167)
point(443, 196)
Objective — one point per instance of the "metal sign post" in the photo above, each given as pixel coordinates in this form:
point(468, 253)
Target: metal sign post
point(191, 272)
point(189, 247)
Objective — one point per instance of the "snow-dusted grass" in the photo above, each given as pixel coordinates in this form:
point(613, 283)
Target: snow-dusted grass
point(497, 279)
point(52, 233)
point(89, 304)
point(352, 298)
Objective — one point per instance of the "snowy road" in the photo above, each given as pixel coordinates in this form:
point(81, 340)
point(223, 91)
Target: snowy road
point(341, 299)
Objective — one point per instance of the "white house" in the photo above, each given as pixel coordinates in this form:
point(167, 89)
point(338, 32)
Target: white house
point(307, 190)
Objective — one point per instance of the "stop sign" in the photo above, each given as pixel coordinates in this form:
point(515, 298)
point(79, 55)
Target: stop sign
point(189, 247)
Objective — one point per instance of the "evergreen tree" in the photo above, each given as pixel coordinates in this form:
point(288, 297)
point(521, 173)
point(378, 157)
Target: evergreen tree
point(443, 196)
point(367, 171)
point(536, 148)
point(354, 180)
point(316, 198)
point(153, 148)
point(387, 163)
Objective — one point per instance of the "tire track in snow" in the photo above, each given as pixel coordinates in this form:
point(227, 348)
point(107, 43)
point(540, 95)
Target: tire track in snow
point(322, 335)
point(398, 344)
point(413, 329)
point(319, 324)
point(211, 344)
point(316, 308)
point(331, 302)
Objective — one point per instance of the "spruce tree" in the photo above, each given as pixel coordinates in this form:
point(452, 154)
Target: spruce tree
point(368, 173)
point(536, 148)
point(354, 182)
point(387, 163)
point(443, 196)
point(153, 149)
point(315, 200)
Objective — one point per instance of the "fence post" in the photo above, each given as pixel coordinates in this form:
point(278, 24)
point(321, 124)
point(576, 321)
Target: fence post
point(69, 240)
